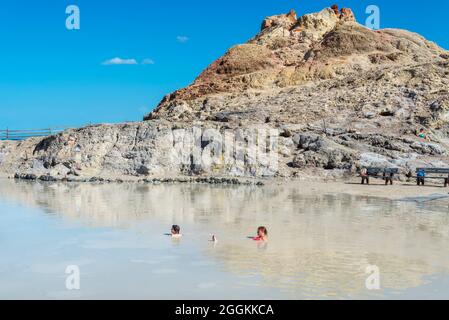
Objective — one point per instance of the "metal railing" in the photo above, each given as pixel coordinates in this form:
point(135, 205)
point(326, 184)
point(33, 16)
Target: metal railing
point(18, 135)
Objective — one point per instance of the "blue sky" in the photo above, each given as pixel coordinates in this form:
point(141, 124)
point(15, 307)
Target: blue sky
point(50, 76)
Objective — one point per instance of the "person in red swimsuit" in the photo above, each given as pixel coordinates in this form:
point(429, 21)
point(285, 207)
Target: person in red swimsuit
point(262, 234)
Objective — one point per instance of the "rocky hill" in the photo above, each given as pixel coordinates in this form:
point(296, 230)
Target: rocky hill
point(340, 96)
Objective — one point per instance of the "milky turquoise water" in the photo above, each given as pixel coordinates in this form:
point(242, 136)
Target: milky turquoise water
point(320, 244)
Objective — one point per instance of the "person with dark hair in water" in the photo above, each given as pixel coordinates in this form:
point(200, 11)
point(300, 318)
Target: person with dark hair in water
point(176, 231)
point(262, 234)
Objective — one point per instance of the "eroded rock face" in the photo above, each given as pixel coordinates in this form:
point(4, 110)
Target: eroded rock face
point(313, 26)
point(339, 95)
point(240, 60)
point(335, 9)
point(347, 15)
point(284, 20)
point(291, 52)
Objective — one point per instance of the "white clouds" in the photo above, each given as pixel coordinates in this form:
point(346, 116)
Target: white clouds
point(130, 62)
point(182, 39)
point(119, 61)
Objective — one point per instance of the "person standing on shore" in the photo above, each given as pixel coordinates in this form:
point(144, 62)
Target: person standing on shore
point(364, 175)
point(421, 177)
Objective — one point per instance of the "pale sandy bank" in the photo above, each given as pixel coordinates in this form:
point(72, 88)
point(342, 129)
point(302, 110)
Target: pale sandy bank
point(399, 190)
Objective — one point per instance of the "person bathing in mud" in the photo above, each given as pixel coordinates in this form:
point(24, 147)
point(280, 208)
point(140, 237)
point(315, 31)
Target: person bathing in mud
point(176, 232)
point(262, 234)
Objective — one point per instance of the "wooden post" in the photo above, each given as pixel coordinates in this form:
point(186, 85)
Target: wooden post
point(7, 134)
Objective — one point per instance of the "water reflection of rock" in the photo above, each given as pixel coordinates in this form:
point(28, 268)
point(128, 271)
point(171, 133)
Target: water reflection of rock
point(326, 251)
point(320, 244)
point(113, 204)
